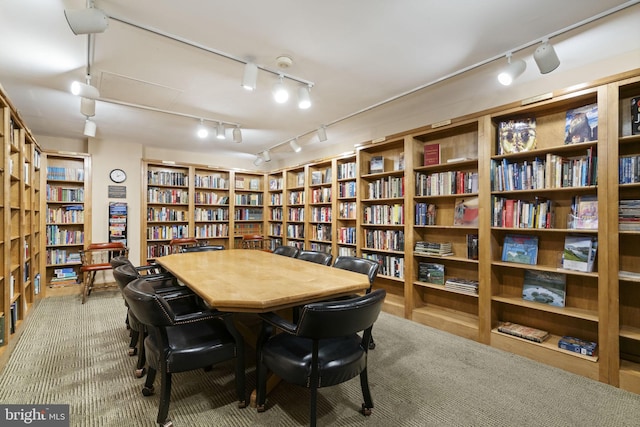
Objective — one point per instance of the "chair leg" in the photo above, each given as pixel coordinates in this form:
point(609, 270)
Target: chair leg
point(261, 368)
point(165, 395)
point(148, 389)
point(372, 344)
point(313, 403)
point(142, 358)
point(133, 343)
point(86, 289)
point(367, 406)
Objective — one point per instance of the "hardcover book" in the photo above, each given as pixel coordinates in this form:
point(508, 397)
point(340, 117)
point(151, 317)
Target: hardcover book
point(521, 331)
point(472, 246)
point(577, 345)
point(431, 272)
point(544, 287)
point(432, 154)
point(585, 212)
point(515, 136)
point(635, 115)
point(520, 248)
point(581, 124)
point(376, 165)
point(465, 212)
point(579, 252)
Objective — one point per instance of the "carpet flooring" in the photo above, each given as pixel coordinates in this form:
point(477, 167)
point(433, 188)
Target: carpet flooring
point(75, 354)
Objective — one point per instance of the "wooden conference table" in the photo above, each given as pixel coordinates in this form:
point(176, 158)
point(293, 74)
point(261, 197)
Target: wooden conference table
point(255, 281)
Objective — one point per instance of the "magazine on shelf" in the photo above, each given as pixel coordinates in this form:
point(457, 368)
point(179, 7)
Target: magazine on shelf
point(521, 331)
point(520, 248)
point(579, 252)
point(465, 212)
point(431, 272)
point(515, 136)
point(376, 165)
point(544, 287)
point(465, 286)
point(581, 124)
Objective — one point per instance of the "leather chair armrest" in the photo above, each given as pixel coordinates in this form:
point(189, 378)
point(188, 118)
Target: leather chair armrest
point(277, 321)
point(197, 316)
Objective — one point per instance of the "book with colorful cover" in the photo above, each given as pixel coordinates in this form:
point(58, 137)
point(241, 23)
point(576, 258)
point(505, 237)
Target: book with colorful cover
point(635, 115)
point(545, 287)
point(466, 212)
point(515, 136)
point(581, 124)
point(579, 252)
point(520, 248)
point(585, 212)
point(525, 332)
point(431, 272)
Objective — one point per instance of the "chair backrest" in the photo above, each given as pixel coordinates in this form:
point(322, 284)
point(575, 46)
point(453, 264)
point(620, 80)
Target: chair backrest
point(289, 251)
point(329, 319)
point(359, 265)
point(149, 307)
point(101, 254)
point(323, 258)
point(119, 260)
point(206, 248)
point(253, 241)
point(125, 274)
point(180, 243)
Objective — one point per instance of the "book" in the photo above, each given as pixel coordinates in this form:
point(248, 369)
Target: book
point(316, 177)
point(472, 246)
point(525, 332)
point(465, 212)
point(544, 287)
point(254, 184)
point(431, 154)
point(584, 212)
point(577, 345)
point(434, 248)
point(376, 164)
point(515, 136)
point(239, 182)
point(581, 124)
point(520, 248)
point(579, 252)
point(465, 286)
point(635, 115)
point(431, 272)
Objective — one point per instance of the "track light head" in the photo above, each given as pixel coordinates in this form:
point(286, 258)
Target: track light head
point(295, 146)
point(88, 107)
point(90, 128)
point(546, 57)
point(220, 131)
point(280, 93)
point(266, 156)
point(512, 71)
point(237, 135)
point(84, 90)
point(250, 76)
point(304, 99)
point(203, 132)
point(258, 160)
point(86, 21)
point(322, 133)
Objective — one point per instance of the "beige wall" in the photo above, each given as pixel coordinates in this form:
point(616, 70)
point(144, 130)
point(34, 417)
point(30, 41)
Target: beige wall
point(446, 100)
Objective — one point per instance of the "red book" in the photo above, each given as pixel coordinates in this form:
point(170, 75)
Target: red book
point(508, 212)
point(431, 154)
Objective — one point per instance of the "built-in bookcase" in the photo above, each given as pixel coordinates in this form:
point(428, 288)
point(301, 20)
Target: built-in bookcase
point(347, 206)
point(320, 221)
point(295, 208)
point(248, 204)
point(211, 200)
point(275, 220)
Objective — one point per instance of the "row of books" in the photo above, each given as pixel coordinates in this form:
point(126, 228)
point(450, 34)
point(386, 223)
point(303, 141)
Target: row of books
point(55, 173)
point(165, 214)
point(64, 194)
point(434, 248)
point(215, 181)
point(180, 179)
point(220, 214)
point(209, 198)
point(386, 188)
point(390, 265)
point(384, 214)
point(446, 183)
point(169, 196)
point(629, 215)
point(392, 240)
point(515, 213)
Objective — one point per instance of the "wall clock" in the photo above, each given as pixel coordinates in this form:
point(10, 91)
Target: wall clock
point(117, 175)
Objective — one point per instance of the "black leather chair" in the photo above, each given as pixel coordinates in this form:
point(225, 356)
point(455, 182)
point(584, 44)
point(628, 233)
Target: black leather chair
point(360, 265)
point(323, 349)
point(179, 343)
point(206, 248)
point(323, 258)
point(289, 251)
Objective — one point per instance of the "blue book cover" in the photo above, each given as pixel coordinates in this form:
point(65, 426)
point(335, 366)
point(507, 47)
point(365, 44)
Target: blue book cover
point(520, 248)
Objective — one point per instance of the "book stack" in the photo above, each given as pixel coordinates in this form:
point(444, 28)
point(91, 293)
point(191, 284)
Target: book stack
point(525, 332)
point(64, 276)
point(465, 286)
point(629, 215)
point(434, 248)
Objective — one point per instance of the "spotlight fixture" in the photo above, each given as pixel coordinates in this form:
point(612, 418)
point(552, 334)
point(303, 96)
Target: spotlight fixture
point(280, 93)
point(86, 21)
point(220, 131)
point(84, 90)
point(304, 100)
point(237, 135)
point(90, 128)
point(88, 107)
point(513, 70)
point(258, 161)
point(546, 57)
point(250, 76)
point(294, 145)
point(322, 133)
point(202, 130)
point(266, 156)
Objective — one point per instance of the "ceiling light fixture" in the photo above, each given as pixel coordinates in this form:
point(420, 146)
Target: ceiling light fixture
point(86, 21)
point(88, 107)
point(203, 132)
point(90, 128)
point(250, 76)
point(304, 99)
point(266, 155)
point(280, 93)
point(512, 71)
point(237, 135)
point(546, 57)
point(258, 161)
point(295, 146)
point(220, 131)
point(322, 133)
point(84, 90)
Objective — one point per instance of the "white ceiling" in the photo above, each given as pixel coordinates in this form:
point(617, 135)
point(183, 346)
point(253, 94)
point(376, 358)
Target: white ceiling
point(357, 53)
